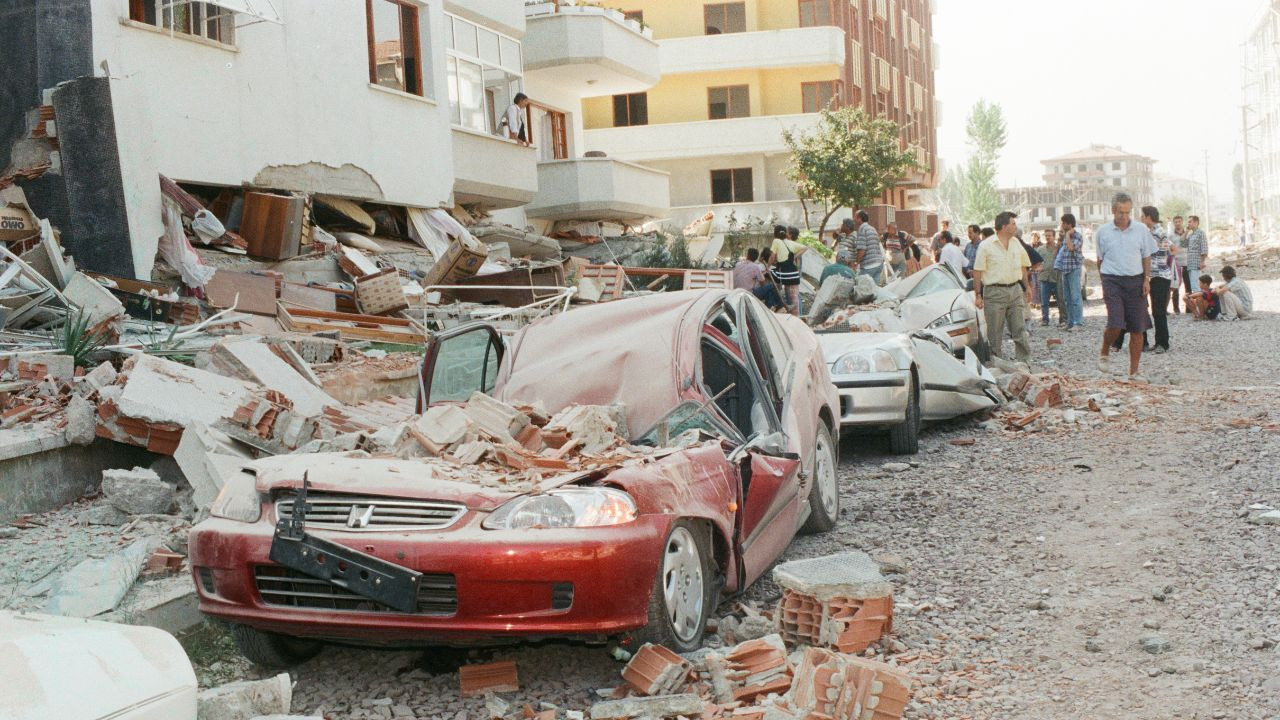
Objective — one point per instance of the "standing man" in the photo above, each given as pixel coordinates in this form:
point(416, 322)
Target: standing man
point(1178, 237)
point(895, 242)
point(845, 236)
point(867, 251)
point(1070, 267)
point(1049, 278)
point(1124, 261)
point(938, 243)
point(1002, 287)
point(952, 255)
point(514, 119)
point(971, 249)
point(1161, 276)
point(1195, 250)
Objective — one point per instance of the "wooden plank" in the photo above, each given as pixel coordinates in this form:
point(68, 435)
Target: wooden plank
point(611, 277)
point(350, 326)
point(257, 292)
point(308, 297)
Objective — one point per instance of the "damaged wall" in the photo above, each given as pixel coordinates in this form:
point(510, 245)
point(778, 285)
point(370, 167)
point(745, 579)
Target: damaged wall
point(290, 104)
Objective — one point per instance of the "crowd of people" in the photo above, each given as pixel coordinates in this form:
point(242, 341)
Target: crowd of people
point(1147, 269)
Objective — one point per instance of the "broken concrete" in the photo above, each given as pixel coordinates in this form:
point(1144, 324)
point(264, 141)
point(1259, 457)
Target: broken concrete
point(246, 700)
point(138, 491)
point(663, 706)
point(850, 574)
point(207, 457)
point(159, 390)
point(95, 301)
point(496, 419)
point(262, 364)
point(96, 586)
point(82, 421)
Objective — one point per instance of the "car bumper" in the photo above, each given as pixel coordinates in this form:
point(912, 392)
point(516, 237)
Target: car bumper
point(873, 398)
point(510, 585)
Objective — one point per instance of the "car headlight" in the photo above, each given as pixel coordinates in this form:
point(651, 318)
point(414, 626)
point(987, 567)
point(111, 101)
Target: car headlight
point(565, 508)
point(864, 361)
point(238, 500)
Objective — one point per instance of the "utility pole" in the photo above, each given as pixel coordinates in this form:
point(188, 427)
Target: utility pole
point(1248, 187)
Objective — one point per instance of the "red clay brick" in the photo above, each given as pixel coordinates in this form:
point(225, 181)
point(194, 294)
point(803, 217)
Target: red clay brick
point(490, 677)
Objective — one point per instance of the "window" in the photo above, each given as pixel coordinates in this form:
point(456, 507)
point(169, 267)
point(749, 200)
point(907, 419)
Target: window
point(630, 110)
point(484, 70)
point(817, 12)
point(730, 186)
point(1115, 166)
point(1082, 167)
point(550, 131)
point(725, 18)
point(1098, 167)
point(202, 19)
point(879, 35)
point(1116, 182)
point(732, 101)
point(816, 96)
point(395, 51)
point(637, 15)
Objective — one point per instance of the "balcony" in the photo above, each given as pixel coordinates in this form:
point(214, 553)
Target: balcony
point(599, 189)
point(704, 138)
point(588, 50)
point(760, 50)
point(491, 171)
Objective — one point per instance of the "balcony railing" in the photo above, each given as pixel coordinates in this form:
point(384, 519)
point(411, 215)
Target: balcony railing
point(539, 8)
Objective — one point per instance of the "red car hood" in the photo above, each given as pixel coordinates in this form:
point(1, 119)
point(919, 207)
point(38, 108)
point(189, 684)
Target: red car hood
point(389, 477)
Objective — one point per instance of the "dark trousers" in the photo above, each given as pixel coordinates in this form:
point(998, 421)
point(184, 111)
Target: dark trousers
point(1192, 284)
point(768, 294)
point(1160, 288)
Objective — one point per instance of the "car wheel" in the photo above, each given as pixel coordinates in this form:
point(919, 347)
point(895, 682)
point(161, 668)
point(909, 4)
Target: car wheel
point(824, 496)
point(271, 650)
point(904, 438)
point(682, 592)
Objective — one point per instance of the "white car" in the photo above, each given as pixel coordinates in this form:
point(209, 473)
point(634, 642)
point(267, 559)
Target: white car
point(936, 298)
point(896, 381)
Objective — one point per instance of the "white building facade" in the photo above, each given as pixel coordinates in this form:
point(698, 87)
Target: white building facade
point(1262, 116)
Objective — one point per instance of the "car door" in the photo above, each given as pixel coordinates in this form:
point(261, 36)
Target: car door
point(771, 507)
point(459, 362)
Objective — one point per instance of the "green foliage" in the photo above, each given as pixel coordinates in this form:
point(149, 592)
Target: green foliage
point(1172, 207)
point(849, 160)
point(674, 255)
point(812, 241)
point(77, 340)
point(950, 194)
point(753, 232)
point(987, 135)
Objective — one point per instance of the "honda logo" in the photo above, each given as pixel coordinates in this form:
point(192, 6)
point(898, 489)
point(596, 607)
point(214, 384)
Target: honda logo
point(360, 516)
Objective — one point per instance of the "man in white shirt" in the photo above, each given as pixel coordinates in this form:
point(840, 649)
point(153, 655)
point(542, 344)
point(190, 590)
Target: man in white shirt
point(951, 254)
point(1235, 297)
point(517, 128)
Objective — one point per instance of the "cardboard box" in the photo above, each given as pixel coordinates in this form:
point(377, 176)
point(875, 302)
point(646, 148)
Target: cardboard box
point(459, 262)
point(17, 224)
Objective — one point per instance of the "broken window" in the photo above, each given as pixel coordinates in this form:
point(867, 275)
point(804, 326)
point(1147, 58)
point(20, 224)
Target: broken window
point(725, 18)
point(726, 377)
point(730, 186)
point(817, 96)
point(732, 101)
point(630, 110)
point(202, 19)
point(485, 74)
point(395, 49)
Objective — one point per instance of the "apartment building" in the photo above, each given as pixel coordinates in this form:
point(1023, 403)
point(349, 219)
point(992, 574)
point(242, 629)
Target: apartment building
point(1262, 116)
point(390, 101)
point(736, 74)
point(1082, 183)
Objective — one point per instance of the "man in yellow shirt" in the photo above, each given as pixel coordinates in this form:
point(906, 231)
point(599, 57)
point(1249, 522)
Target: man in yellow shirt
point(1002, 287)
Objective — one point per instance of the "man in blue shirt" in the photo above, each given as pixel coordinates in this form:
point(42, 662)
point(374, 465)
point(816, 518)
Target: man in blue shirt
point(1125, 248)
point(1070, 265)
point(971, 250)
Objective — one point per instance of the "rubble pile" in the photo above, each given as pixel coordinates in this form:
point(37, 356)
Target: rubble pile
point(1056, 401)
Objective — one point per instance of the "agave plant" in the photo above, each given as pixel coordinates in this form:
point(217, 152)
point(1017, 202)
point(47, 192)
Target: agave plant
point(78, 340)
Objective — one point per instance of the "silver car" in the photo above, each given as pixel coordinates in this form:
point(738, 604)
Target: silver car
point(936, 298)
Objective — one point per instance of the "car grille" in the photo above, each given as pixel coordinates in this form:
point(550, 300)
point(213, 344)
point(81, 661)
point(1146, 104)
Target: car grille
point(281, 586)
point(343, 512)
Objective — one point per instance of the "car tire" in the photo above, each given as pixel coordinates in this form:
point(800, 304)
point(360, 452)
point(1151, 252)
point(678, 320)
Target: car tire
point(824, 496)
point(683, 591)
point(273, 651)
point(904, 438)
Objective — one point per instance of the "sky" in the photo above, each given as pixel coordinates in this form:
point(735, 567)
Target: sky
point(1156, 77)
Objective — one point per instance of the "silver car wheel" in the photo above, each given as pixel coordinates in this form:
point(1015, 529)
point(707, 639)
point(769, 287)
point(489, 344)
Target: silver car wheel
point(682, 583)
point(824, 474)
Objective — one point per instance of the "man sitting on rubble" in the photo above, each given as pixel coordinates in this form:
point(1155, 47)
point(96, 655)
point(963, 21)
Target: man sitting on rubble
point(1204, 304)
point(758, 281)
point(843, 266)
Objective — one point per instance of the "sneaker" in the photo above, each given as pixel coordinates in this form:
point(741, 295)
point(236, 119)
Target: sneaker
point(1104, 365)
point(1160, 350)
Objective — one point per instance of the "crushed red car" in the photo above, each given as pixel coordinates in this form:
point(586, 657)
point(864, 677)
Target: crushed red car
point(732, 424)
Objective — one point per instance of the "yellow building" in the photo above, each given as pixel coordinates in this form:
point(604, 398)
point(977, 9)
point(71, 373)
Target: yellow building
point(736, 74)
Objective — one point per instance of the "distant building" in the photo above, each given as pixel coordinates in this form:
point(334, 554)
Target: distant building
point(1082, 183)
point(1168, 186)
point(1262, 114)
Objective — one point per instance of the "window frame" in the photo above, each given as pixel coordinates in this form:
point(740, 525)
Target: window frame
point(733, 175)
point(630, 105)
point(164, 18)
point(410, 35)
point(490, 111)
point(723, 8)
point(834, 99)
point(729, 104)
point(812, 7)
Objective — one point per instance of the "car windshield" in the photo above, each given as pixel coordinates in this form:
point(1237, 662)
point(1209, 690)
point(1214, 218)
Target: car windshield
point(685, 417)
point(931, 281)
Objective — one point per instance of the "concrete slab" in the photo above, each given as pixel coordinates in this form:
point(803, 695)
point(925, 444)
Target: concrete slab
point(162, 391)
point(96, 301)
point(169, 603)
point(206, 457)
point(850, 574)
point(39, 471)
point(257, 362)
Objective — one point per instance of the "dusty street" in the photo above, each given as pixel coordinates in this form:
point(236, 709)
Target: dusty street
point(1031, 567)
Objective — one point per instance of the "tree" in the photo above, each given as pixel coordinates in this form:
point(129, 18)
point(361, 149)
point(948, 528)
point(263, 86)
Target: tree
point(987, 135)
point(950, 194)
point(1172, 207)
point(849, 160)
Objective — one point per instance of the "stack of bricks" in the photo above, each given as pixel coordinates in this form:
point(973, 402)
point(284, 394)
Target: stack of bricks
point(34, 387)
point(750, 670)
point(844, 687)
point(840, 602)
point(655, 670)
